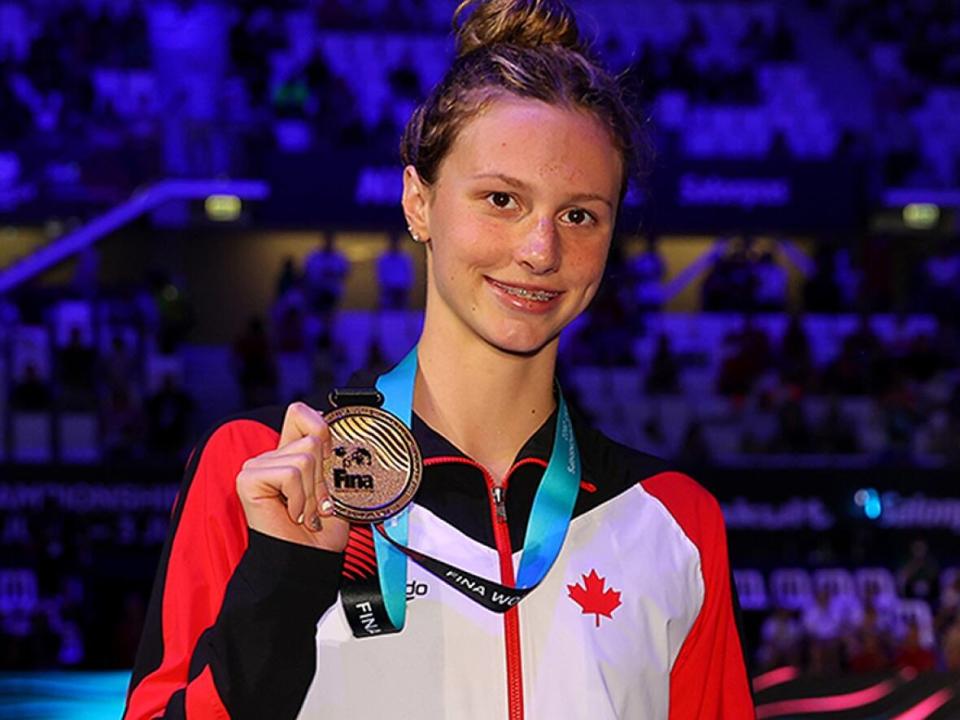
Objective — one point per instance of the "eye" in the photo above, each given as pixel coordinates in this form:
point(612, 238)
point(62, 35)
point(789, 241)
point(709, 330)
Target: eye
point(578, 216)
point(501, 200)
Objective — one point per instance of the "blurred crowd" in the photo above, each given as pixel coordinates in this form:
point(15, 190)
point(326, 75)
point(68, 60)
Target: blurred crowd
point(94, 78)
point(926, 34)
point(771, 358)
point(103, 96)
point(913, 624)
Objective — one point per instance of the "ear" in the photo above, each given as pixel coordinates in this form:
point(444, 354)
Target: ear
point(416, 202)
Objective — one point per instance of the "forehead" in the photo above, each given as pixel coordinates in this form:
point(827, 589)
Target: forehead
point(536, 142)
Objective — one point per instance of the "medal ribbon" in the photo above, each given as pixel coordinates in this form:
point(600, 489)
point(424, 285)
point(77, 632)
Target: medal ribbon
point(546, 530)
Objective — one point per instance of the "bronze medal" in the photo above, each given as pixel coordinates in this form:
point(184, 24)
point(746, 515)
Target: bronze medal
point(375, 468)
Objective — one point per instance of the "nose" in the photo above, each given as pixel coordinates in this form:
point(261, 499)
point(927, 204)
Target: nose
point(539, 249)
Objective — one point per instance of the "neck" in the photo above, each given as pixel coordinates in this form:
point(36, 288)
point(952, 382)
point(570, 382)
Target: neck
point(486, 401)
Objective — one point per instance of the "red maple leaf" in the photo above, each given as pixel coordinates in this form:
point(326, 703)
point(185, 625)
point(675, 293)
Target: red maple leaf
point(593, 598)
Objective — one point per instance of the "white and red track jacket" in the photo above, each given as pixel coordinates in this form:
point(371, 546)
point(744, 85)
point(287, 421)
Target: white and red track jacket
point(634, 620)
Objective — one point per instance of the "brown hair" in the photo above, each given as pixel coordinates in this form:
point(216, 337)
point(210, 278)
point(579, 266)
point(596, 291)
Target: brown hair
point(529, 48)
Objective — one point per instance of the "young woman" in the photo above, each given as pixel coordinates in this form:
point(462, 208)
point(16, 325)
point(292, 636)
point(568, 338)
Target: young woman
point(515, 168)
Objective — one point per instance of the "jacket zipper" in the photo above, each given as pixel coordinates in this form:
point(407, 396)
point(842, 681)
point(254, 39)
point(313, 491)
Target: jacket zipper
point(511, 618)
point(501, 534)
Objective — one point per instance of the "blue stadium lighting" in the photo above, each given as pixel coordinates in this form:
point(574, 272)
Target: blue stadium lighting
point(62, 695)
point(869, 500)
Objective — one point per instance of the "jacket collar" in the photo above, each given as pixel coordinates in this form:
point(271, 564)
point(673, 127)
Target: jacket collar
point(434, 445)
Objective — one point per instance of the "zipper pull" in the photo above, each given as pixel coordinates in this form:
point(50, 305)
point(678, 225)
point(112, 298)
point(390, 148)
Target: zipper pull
point(501, 507)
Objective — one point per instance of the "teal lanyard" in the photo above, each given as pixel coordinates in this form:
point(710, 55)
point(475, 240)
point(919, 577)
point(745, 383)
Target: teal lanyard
point(549, 518)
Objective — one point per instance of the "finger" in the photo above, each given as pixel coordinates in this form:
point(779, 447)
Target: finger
point(306, 444)
point(305, 454)
point(324, 469)
point(285, 483)
point(301, 420)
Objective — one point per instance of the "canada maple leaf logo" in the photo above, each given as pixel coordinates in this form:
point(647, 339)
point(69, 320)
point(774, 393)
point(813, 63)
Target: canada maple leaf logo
point(592, 598)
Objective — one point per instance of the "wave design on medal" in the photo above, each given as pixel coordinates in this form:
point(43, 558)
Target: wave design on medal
point(391, 451)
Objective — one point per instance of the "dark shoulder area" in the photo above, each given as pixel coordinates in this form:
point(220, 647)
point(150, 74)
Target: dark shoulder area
point(610, 467)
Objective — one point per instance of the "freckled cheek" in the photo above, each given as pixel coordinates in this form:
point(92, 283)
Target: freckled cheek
point(587, 265)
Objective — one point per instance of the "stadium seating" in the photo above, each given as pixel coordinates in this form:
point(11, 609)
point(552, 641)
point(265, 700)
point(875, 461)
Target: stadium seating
point(791, 588)
point(751, 589)
point(875, 581)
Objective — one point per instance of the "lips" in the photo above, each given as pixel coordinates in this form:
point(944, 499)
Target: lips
point(524, 292)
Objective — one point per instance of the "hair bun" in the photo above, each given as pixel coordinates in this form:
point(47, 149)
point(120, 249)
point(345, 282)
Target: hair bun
point(524, 23)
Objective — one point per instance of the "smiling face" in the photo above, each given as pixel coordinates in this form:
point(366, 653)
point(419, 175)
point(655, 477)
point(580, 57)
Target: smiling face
point(519, 222)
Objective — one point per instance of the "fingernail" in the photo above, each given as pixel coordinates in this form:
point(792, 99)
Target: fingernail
point(315, 522)
point(326, 507)
point(300, 519)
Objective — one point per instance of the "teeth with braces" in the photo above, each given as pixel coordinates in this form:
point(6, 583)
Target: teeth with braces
point(538, 295)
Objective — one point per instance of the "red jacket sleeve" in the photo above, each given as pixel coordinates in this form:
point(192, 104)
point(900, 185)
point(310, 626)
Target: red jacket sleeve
point(708, 680)
point(222, 597)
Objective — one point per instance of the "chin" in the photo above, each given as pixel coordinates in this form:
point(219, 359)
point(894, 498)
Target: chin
point(525, 344)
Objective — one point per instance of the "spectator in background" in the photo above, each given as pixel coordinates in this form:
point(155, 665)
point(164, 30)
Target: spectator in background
point(902, 418)
point(922, 359)
point(646, 272)
point(877, 261)
point(31, 393)
point(327, 359)
point(834, 435)
point(917, 577)
point(949, 611)
point(746, 357)
point(289, 312)
point(175, 313)
point(122, 423)
point(376, 362)
point(694, 450)
point(606, 339)
point(325, 272)
point(289, 328)
point(868, 649)
point(942, 282)
point(404, 80)
point(118, 366)
point(821, 294)
point(771, 284)
point(169, 411)
point(951, 648)
point(190, 47)
point(794, 360)
point(823, 625)
point(793, 434)
point(394, 276)
point(253, 360)
point(943, 438)
point(664, 373)
point(911, 654)
point(289, 277)
point(77, 362)
point(254, 38)
point(781, 638)
point(857, 370)
point(731, 283)
point(848, 278)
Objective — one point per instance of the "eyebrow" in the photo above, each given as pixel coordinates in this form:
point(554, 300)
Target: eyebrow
point(520, 184)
